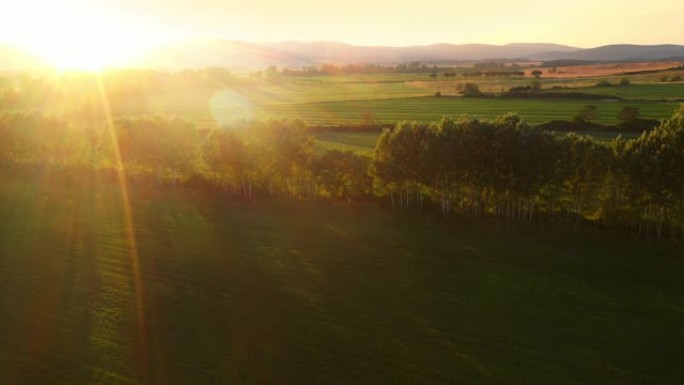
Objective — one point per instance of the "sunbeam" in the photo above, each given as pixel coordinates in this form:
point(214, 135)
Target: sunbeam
point(129, 231)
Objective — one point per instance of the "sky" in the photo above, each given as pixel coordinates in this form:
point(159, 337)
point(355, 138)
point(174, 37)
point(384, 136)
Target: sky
point(69, 27)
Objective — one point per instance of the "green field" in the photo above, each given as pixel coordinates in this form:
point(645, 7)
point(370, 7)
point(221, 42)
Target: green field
point(384, 98)
point(317, 293)
point(359, 142)
point(263, 95)
point(638, 92)
point(347, 99)
point(428, 109)
point(390, 98)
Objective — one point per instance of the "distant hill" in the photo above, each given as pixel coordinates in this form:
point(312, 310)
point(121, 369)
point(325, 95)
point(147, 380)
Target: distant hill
point(203, 53)
point(617, 52)
point(206, 53)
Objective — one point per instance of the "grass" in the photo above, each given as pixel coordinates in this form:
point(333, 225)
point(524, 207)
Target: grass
point(285, 91)
point(344, 99)
point(388, 97)
point(637, 92)
point(318, 293)
point(362, 143)
point(429, 109)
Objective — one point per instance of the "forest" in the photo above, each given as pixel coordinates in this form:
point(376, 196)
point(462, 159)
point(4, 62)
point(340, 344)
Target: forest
point(501, 170)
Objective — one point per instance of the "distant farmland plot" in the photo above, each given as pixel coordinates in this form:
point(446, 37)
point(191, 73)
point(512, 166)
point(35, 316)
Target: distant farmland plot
point(259, 95)
point(390, 98)
point(608, 69)
point(432, 109)
point(362, 143)
point(638, 92)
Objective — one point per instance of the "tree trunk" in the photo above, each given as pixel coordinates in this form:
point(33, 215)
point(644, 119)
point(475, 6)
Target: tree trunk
point(531, 209)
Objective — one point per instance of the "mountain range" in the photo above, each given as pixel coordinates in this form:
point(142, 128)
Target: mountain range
point(203, 53)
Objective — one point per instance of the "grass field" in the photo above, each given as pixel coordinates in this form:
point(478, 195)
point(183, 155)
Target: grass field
point(428, 109)
point(411, 108)
point(318, 293)
point(639, 92)
point(389, 98)
point(265, 94)
point(362, 143)
point(344, 99)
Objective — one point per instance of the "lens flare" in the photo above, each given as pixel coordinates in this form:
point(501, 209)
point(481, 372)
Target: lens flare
point(227, 105)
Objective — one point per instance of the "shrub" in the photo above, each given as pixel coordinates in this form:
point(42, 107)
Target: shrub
point(471, 89)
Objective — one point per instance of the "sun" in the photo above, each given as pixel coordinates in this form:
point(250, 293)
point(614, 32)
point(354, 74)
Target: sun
point(91, 53)
point(79, 38)
point(93, 48)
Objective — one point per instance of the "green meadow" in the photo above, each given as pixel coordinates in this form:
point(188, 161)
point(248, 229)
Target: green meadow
point(209, 291)
point(428, 109)
point(362, 143)
point(638, 92)
point(331, 100)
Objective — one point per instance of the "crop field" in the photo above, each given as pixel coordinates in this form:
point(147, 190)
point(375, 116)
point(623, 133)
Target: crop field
point(262, 95)
point(638, 92)
point(212, 291)
point(389, 98)
point(386, 99)
point(610, 69)
point(362, 143)
point(429, 109)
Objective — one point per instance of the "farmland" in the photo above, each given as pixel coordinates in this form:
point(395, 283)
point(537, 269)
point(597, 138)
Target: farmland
point(346, 99)
point(295, 292)
point(360, 142)
point(350, 99)
point(639, 92)
point(429, 109)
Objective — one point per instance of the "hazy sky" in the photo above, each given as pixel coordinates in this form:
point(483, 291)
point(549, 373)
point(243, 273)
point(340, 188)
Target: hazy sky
point(582, 23)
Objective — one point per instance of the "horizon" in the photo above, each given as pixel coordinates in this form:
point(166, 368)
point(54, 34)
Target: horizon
point(119, 31)
point(148, 56)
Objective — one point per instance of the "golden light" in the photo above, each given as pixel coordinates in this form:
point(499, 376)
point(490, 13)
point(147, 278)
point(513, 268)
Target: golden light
point(73, 37)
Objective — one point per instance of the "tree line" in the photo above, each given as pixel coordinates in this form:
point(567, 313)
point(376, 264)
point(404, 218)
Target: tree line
point(501, 169)
point(507, 171)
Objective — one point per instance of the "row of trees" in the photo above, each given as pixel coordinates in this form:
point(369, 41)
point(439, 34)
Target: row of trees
point(356, 69)
point(474, 74)
point(500, 169)
point(273, 157)
point(505, 170)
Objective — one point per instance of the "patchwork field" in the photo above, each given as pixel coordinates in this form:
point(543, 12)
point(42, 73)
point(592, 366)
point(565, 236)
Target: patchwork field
point(346, 99)
point(378, 98)
point(638, 92)
point(211, 291)
point(428, 109)
point(609, 69)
